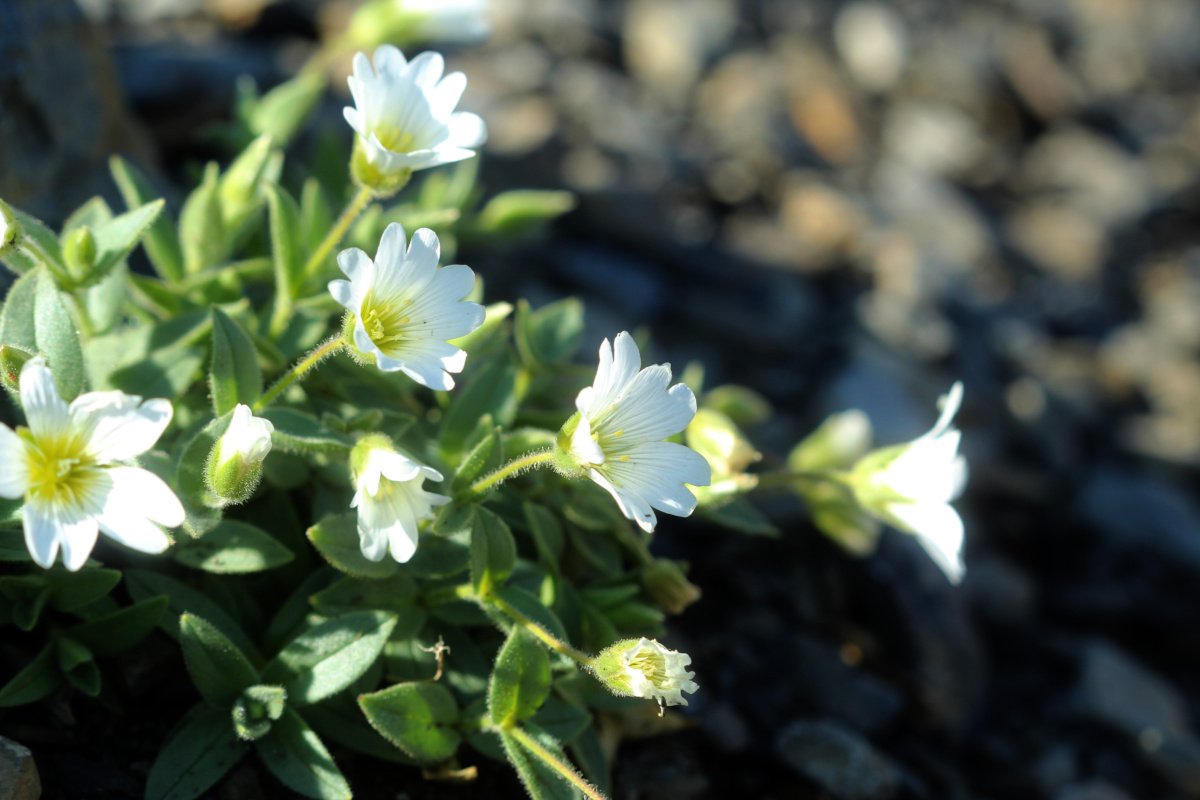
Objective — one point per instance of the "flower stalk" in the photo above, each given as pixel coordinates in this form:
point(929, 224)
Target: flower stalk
point(518, 465)
point(319, 353)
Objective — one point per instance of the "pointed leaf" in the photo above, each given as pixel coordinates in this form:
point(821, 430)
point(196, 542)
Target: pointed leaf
point(419, 718)
point(197, 754)
point(327, 658)
point(57, 339)
point(36, 679)
point(120, 630)
point(233, 548)
point(116, 238)
point(520, 679)
point(336, 538)
point(161, 241)
point(540, 781)
point(219, 670)
point(235, 376)
point(297, 757)
point(493, 552)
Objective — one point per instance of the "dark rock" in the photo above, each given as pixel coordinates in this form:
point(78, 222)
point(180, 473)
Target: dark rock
point(18, 773)
point(839, 760)
point(840, 691)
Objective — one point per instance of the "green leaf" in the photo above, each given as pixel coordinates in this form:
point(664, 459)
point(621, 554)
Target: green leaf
point(71, 591)
point(219, 670)
point(161, 242)
point(297, 432)
point(116, 238)
point(484, 456)
point(37, 237)
point(540, 781)
point(197, 754)
point(16, 320)
point(78, 666)
point(181, 598)
point(444, 549)
point(419, 718)
point(520, 679)
point(106, 300)
point(492, 390)
point(327, 658)
point(493, 552)
point(396, 594)
point(287, 248)
point(547, 534)
point(316, 217)
point(342, 722)
point(529, 605)
point(120, 630)
point(235, 376)
point(242, 189)
point(296, 756)
point(57, 339)
point(280, 112)
point(562, 720)
point(592, 759)
point(520, 210)
point(192, 481)
point(740, 515)
point(166, 373)
point(202, 233)
point(233, 548)
point(38, 678)
point(336, 538)
point(550, 335)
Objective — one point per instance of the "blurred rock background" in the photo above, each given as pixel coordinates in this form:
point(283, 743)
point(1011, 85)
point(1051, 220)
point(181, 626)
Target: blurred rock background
point(841, 204)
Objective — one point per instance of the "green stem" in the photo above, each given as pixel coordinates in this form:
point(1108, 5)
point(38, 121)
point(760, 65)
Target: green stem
point(786, 477)
point(321, 352)
point(514, 467)
point(331, 240)
point(557, 764)
point(548, 638)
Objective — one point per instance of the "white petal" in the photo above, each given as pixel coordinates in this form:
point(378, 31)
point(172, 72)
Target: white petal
point(633, 506)
point(45, 412)
point(657, 472)
point(949, 404)
point(939, 530)
point(78, 539)
point(426, 69)
point(392, 244)
point(120, 426)
point(619, 363)
point(394, 466)
point(467, 130)
point(447, 94)
point(389, 61)
point(139, 492)
point(372, 542)
point(355, 265)
point(14, 475)
point(583, 446)
point(646, 411)
point(343, 293)
point(42, 532)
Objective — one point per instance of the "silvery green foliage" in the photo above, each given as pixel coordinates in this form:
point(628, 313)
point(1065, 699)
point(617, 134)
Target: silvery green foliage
point(446, 520)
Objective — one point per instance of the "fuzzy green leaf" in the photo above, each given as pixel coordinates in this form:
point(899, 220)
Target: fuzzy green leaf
point(36, 679)
point(120, 630)
point(493, 552)
point(550, 335)
point(297, 432)
point(202, 233)
point(233, 548)
point(336, 538)
point(235, 376)
point(219, 670)
point(197, 754)
point(298, 758)
point(419, 718)
point(520, 679)
point(540, 781)
point(57, 338)
point(492, 390)
point(327, 658)
point(161, 241)
point(116, 238)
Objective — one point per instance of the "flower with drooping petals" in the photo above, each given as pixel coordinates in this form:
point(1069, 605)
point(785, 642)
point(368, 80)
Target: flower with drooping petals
point(911, 486)
point(67, 465)
point(404, 116)
point(406, 309)
point(390, 498)
point(645, 668)
point(618, 432)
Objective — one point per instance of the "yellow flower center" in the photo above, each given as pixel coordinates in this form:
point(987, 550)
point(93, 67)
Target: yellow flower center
point(394, 139)
point(385, 323)
point(652, 665)
point(60, 468)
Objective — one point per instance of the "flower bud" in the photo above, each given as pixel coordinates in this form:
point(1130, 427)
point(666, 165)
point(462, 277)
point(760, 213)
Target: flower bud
point(403, 22)
point(8, 228)
point(716, 437)
point(235, 463)
point(644, 668)
point(256, 709)
point(666, 584)
point(840, 441)
point(79, 251)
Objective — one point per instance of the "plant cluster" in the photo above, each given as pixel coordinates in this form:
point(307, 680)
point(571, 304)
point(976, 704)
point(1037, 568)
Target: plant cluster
point(431, 526)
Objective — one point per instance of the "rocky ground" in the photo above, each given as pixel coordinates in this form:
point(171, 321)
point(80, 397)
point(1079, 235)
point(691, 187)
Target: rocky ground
point(844, 205)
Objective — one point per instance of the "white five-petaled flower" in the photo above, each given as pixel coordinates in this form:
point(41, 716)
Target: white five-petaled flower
point(404, 112)
point(623, 418)
point(67, 466)
point(406, 308)
point(390, 498)
point(912, 485)
point(645, 668)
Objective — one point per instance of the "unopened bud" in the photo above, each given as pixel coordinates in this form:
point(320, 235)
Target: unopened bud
point(79, 251)
point(256, 709)
point(666, 584)
point(235, 463)
point(8, 228)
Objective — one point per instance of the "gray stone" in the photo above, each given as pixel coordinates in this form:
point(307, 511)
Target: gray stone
point(1092, 790)
point(839, 760)
point(1143, 515)
point(19, 778)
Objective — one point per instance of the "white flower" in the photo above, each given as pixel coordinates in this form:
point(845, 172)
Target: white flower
point(911, 487)
point(67, 466)
point(390, 498)
point(644, 668)
point(406, 308)
point(404, 112)
point(448, 20)
point(8, 227)
point(623, 418)
point(248, 437)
